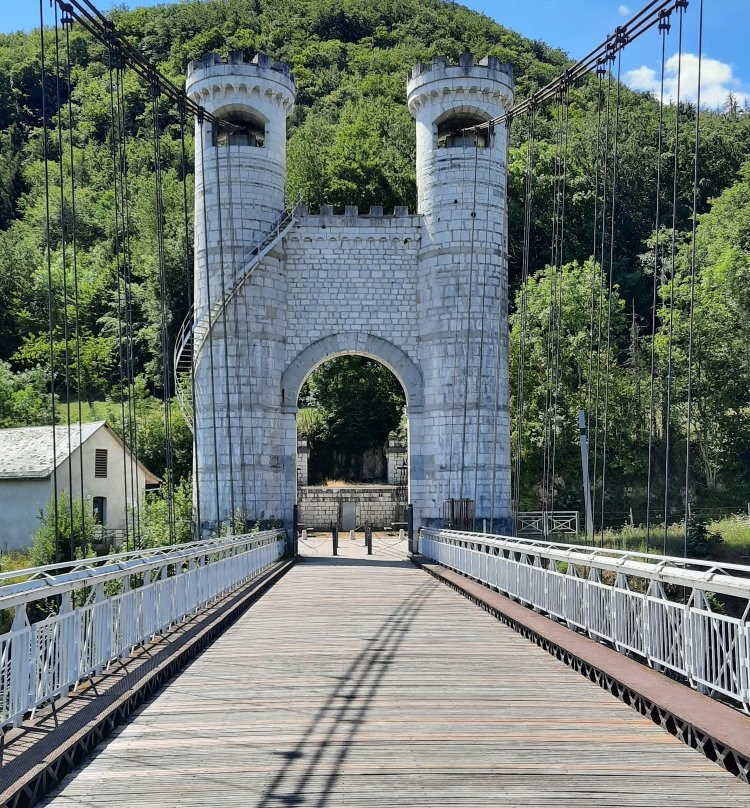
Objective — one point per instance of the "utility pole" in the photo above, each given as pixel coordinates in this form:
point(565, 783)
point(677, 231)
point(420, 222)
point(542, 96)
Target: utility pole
point(585, 466)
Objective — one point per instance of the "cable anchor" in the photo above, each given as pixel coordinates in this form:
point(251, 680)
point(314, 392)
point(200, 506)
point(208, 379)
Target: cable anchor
point(66, 20)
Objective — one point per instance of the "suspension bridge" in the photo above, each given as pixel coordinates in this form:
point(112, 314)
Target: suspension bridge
point(458, 664)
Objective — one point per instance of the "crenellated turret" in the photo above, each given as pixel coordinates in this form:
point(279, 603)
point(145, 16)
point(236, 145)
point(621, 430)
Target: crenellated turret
point(463, 289)
point(255, 97)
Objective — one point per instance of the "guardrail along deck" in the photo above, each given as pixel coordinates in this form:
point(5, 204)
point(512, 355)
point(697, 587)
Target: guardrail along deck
point(366, 682)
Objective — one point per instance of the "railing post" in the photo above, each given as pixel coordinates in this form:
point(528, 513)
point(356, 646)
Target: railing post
point(335, 538)
point(295, 525)
point(413, 549)
point(23, 663)
point(368, 538)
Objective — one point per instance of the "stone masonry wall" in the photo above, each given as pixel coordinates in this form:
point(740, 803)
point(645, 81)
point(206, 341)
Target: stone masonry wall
point(378, 505)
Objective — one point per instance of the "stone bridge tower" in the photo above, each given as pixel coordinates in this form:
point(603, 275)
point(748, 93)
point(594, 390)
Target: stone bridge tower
point(418, 292)
point(463, 279)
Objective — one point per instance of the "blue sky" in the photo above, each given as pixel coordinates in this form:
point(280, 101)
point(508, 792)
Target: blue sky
point(577, 25)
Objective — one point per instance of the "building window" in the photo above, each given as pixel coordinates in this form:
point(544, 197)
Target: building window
point(100, 510)
point(100, 463)
point(452, 132)
point(249, 131)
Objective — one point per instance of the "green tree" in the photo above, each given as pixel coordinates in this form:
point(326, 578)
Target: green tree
point(575, 379)
point(361, 401)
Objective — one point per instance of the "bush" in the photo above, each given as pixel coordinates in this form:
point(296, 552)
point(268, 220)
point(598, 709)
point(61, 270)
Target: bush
point(46, 547)
point(702, 542)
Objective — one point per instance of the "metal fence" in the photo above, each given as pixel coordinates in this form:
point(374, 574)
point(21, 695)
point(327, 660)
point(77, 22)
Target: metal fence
point(547, 523)
point(100, 609)
point(665, 611)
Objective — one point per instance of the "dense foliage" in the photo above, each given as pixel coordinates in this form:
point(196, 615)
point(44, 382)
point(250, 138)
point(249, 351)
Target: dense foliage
point(351, 141)
point(720, 417)
point(349, 406)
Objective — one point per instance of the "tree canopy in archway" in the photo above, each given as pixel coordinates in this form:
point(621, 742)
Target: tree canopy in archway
point(348, 406)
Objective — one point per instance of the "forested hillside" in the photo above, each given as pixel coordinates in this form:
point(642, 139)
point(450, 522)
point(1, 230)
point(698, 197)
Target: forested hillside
point(351, 141)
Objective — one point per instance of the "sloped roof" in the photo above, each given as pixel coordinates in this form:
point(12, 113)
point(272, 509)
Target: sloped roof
point(27, 452)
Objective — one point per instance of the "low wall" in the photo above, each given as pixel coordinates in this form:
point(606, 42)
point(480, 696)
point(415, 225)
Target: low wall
point(377, 505)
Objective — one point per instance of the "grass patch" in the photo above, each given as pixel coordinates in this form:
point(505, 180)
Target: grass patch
point(733, 530)
point(15, 561)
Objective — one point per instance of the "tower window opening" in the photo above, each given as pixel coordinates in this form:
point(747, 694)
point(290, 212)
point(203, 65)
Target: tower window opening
point(249, 131)
point(452, 132)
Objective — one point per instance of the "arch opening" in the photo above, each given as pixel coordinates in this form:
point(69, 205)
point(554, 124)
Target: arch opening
point(352, 422)
point(246, 129)
point(451, 131)
point(380, 499)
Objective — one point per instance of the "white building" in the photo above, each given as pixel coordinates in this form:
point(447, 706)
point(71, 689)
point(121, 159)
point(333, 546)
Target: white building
point(29, 464)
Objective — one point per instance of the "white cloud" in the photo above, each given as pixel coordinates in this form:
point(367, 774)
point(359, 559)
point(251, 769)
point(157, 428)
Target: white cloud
point(717, 81)
point(623, 11)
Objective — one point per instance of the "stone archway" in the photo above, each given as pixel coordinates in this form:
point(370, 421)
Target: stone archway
point(361, 344)
point(357, 343)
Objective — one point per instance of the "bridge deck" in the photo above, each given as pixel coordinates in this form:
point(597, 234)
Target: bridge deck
point(365, 682)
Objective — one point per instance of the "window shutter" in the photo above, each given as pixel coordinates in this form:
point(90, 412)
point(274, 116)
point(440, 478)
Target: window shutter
point(100, 463)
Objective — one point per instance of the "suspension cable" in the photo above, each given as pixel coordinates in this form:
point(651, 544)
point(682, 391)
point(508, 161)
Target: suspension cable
point(595, 267)
point(242, 298)
point(693, 257)
point(605, 176)
point(209, 319)
point(551, 317)
point(235, 314)
point(189, 281)
point(117, 250)
point(168, 452)
point(520, 387)
point(128, 293)
point(468, 317)
point(613, 218)
point(457, 318)
point(673, 248)
point(502, 315)
point(104, 30)
point(50, 297)
point(483, 298)
point(225, 334)
point(607, 50)
point(664, 28)
point(66, 322)
point(561, 261)
point(66, 22)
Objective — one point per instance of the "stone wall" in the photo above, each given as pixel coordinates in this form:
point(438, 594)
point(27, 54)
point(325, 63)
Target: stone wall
point(396, 456)
point(378, 505)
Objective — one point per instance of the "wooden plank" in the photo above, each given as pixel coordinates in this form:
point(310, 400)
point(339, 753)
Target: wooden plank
point(726, 725)
point(365, 682)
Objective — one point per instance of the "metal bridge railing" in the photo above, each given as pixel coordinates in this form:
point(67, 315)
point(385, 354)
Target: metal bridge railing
point(102, 608)
point(666, 611)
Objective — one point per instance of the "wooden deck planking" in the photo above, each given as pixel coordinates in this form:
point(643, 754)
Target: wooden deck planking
point(365, 682)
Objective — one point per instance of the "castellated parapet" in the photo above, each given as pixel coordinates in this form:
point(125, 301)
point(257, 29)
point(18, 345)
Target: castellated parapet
point(419, 292)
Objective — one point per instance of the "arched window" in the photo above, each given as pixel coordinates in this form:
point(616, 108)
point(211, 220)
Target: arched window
point(452, 132)
point(249, 131)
